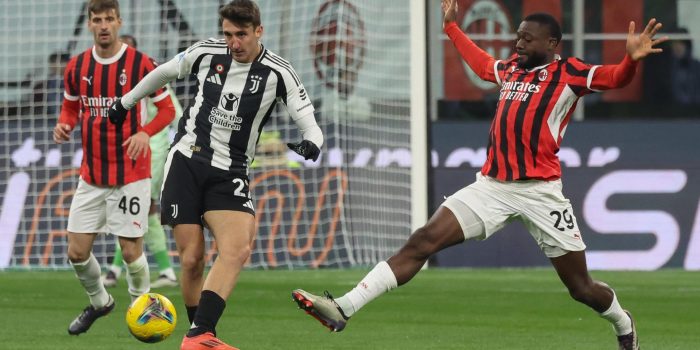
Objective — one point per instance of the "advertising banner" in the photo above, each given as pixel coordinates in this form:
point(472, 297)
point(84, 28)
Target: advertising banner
point(634, 188)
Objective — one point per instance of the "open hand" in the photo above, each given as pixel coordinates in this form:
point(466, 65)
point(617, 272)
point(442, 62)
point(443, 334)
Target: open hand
point(640, 46)
point(449, 8)
point(137, 145)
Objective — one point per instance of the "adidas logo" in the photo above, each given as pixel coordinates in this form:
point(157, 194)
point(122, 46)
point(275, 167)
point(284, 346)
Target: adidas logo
point(249, 205)
point(214, 79)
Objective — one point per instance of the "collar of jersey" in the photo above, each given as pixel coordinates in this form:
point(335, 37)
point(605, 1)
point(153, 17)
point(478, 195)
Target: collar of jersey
point(109, 60)
point(257, 58)
point(556, 58)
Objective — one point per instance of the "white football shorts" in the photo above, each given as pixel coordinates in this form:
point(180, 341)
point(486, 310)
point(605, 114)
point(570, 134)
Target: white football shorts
point(540, 205)
point(120, 210)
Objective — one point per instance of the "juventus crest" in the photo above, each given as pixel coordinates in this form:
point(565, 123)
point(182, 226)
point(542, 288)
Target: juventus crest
point(255, 83)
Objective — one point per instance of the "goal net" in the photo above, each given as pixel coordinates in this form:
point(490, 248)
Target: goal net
point(350, 208)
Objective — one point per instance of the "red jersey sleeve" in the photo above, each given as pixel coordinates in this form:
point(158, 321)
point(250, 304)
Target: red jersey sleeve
point(478, 60)
point(611, 76)
point(165, 115)
point(70, 109)
point(585, 78)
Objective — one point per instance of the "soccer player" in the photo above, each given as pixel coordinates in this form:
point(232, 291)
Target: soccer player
point(113, 192)
point(206, 176)
point(155, 237)
point(521, 177)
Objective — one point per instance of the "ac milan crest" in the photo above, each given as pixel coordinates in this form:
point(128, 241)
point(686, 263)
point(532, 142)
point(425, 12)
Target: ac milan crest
point(122, 78)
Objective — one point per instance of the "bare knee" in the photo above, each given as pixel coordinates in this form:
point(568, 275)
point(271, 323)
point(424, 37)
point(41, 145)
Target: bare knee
point(129, 254)
point(235, 257)
point(582, 292)
point(131, 249)
point(192, 263)
point(76, 255)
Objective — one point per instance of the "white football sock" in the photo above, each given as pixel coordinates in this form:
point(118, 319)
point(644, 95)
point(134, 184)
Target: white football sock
point(169, 272)
point(88, 272)
point(138, 277)
point(117, 270)
point(377, 282)
point(621, 323)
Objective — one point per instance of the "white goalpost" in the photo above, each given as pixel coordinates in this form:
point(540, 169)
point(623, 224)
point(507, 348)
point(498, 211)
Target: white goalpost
point(363, 64)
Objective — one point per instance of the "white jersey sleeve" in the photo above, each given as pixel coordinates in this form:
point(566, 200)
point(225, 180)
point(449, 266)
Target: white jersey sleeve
point(153, 81)
point(299, 106)
point(297, 100)
point(188, 60)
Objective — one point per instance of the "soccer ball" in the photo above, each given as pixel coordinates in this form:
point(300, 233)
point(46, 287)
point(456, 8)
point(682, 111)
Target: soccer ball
point(151, 318)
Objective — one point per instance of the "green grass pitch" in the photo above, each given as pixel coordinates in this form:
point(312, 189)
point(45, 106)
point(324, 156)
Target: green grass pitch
point(440, 309)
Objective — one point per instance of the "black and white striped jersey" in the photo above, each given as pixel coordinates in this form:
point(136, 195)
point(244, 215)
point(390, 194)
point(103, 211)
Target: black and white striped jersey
point(233, 101)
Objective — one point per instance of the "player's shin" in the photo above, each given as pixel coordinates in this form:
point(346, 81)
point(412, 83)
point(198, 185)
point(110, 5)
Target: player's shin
point(621, 322)
point(138, 277)
point(211, 307)
point(88, 272)
point(377, 282)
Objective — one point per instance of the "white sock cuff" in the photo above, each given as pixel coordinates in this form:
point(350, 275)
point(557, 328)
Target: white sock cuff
point(614, 307)
point(138, 277)
point(169, 272)
point(387, 274)
point(137, 264)
point(84, 264)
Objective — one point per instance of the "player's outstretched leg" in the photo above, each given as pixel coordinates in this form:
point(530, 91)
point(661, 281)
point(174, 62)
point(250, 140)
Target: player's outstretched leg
point(323, 308)
point(442, 230)
point(572, 270)
point(206, 341)
point(90, 314)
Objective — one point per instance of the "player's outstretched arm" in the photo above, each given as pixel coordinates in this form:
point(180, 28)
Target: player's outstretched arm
point(612, 76)
point(478, 60)
point(642, 45)
point(153, 81)
point(312, 138)
point(449, 9)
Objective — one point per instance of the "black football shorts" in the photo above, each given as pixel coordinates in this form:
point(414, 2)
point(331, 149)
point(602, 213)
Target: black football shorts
point(192, 188)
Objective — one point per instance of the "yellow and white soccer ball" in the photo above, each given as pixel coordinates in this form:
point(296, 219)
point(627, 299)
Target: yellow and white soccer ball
point(151, 318)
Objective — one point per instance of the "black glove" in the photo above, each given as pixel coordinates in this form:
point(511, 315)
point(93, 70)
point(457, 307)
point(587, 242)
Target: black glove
point(306, 149)
point(117, 112)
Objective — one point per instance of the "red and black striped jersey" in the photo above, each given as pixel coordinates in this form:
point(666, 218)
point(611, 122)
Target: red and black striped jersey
point(92, 84)
point(534, 107)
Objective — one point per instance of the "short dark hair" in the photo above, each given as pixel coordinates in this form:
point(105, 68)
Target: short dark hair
point(241, 12)
point(547, 20)
point(99, 6)
point(129, 37)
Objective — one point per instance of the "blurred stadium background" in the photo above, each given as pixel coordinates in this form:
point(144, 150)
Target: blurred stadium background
point(406, 124)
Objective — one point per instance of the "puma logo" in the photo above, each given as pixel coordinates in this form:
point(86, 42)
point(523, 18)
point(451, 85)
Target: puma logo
point(89, 80)
point(136, 223)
